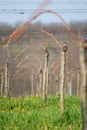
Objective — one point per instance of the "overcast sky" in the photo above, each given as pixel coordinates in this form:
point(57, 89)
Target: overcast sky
point(12, 11)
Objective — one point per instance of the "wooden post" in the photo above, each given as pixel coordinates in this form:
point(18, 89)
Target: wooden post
point(37, 81)
point(62, 78)
point(45, 74)
point(2, 81)
point(78, 82)
point(47, 80)
point(69, 84)
point(70, 88)
point(32, 86)
point(6, 92)
point(44, 82)
point(83, 59)
point(41, 81)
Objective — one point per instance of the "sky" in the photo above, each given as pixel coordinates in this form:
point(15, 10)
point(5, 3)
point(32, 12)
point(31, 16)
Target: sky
point(12, 11)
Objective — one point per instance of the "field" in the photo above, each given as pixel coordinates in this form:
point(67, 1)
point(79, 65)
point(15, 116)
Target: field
point(32, 113)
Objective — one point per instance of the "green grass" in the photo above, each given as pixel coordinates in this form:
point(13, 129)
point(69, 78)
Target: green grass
point(32, 113)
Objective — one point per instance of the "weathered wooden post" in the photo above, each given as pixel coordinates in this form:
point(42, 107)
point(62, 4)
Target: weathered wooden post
point(2, 81)
point(69, 84)
point(41, 81)
point(62, 77)
point(37, 82)
point(45, 74)
point(44, 83)
point(32, 85)
point(78, 81)
point(6, 92)
point(83, 58)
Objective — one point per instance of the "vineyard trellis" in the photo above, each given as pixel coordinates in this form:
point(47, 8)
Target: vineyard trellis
point(83, 57)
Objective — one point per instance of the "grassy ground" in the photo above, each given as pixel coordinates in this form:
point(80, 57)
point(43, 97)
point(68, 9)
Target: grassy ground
point(32, 113)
